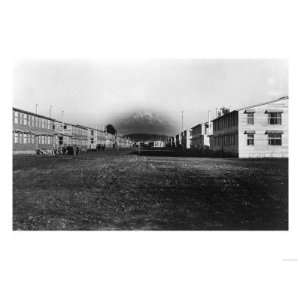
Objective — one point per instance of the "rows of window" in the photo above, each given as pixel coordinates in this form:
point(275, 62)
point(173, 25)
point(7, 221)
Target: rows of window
point(274, 139)
point(27, 138)
point(230, 139)
point(197, 130)
point(38, 122)
point(227, 121)
point(79, 142)
point(79, 131)
point(24, 138)
point(274, 118)
point(32, 121)
point(44, 140)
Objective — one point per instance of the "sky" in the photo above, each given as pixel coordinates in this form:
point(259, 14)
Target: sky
point(145, 96)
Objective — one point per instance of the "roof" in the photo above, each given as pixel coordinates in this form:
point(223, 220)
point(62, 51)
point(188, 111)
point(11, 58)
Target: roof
point(20, 128)
point(254, 105)
point(33, 114)
point(263, 103)
point(52, 119)
point(42, 132)
point(203, 123)
point(80, 126)
point(196, 126)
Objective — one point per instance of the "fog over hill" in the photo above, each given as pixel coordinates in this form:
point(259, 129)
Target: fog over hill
point(145, 122)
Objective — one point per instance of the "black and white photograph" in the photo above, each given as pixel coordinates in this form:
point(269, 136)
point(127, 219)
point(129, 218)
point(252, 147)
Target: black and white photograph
point(149, 150)
point(151, 145)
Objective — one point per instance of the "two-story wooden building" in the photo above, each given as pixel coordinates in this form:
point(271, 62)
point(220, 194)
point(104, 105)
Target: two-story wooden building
point(186, 139)
point(63, 134)
point(100, 139)
point(259, 130)
point(80, 137)
point(200, 134)
point(32, 132)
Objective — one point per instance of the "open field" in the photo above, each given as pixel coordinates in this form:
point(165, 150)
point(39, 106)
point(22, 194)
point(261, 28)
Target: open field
point(118, 190)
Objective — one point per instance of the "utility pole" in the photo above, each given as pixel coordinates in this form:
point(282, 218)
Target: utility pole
point(62, 116)
point(208, 129)
point(50, 111)
point(182, 120)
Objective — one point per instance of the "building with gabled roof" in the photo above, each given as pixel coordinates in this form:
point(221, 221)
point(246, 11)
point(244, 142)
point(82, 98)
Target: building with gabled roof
point(259, 130)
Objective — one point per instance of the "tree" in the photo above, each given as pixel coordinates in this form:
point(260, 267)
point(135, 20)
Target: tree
point(110, 129)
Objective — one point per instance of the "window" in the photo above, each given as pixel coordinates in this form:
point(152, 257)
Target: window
point(274, 118)
point(49, 140)
point(16, 138)
point(275, 139)
point(16, 118)
point(25, 119)
point(250, 139)
point(25, 138)
point(250, 118)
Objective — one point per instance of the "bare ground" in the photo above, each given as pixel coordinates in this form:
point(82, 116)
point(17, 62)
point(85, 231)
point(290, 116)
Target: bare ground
point(118, 190)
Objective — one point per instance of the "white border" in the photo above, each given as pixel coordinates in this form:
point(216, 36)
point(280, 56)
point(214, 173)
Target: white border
point(148, 265)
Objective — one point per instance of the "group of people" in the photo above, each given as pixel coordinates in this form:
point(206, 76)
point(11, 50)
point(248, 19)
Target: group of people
point(65, 150)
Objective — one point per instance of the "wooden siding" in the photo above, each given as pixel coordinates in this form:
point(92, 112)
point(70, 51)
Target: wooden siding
point(261, 148)
point(200, 136)
point(27, 129)
point(225, 134)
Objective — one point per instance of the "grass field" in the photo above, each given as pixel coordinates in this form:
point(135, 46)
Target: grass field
point(118, 190)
